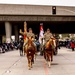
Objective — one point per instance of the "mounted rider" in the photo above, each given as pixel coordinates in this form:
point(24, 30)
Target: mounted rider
point(32, 35)
point(27, 35)
point(47, 35)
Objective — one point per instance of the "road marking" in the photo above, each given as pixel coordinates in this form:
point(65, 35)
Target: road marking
point(8, 71)
point(15, 64)
point(46, 69)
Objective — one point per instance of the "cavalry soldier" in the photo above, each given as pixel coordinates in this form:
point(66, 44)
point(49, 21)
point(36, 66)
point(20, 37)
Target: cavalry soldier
point(47, 35)
point(28, 34)
point(31, 34)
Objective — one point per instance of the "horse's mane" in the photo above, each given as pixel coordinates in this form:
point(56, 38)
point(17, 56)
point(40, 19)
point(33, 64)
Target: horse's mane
point(49, 43)
point(30, 42)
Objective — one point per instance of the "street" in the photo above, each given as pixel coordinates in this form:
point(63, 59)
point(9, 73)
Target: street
point(11, 63)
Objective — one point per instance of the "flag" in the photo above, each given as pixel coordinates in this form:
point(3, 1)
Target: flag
point(41, 35)
point(25, 30)
point(24, 38)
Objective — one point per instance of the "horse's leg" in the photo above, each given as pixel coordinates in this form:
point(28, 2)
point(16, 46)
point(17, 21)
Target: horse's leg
point(49, 60)
point(45, 56)
point(52, 56)
point(29, 63)
point(32, 61)
point(33, 58)
point(34, 54)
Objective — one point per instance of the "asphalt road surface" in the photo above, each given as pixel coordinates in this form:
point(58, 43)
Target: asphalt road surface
point(11, 63)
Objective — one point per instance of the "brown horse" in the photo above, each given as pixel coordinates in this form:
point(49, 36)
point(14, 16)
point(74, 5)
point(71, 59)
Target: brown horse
point(49, 49)
point(30, 52)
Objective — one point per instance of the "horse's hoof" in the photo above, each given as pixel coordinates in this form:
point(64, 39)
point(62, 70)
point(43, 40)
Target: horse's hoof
point(29, 68)
point(49, 66)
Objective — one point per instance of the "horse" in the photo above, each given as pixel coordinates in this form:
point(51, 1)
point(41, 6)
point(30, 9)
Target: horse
point(30, 52)
point(56, 47)
point(49, 49)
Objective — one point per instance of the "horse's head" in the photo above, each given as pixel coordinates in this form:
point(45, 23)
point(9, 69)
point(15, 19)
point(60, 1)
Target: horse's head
point(51, 43)
point(54, 42)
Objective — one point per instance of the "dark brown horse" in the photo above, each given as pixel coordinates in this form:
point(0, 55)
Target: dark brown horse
point(49, 49)
point(30, 52)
